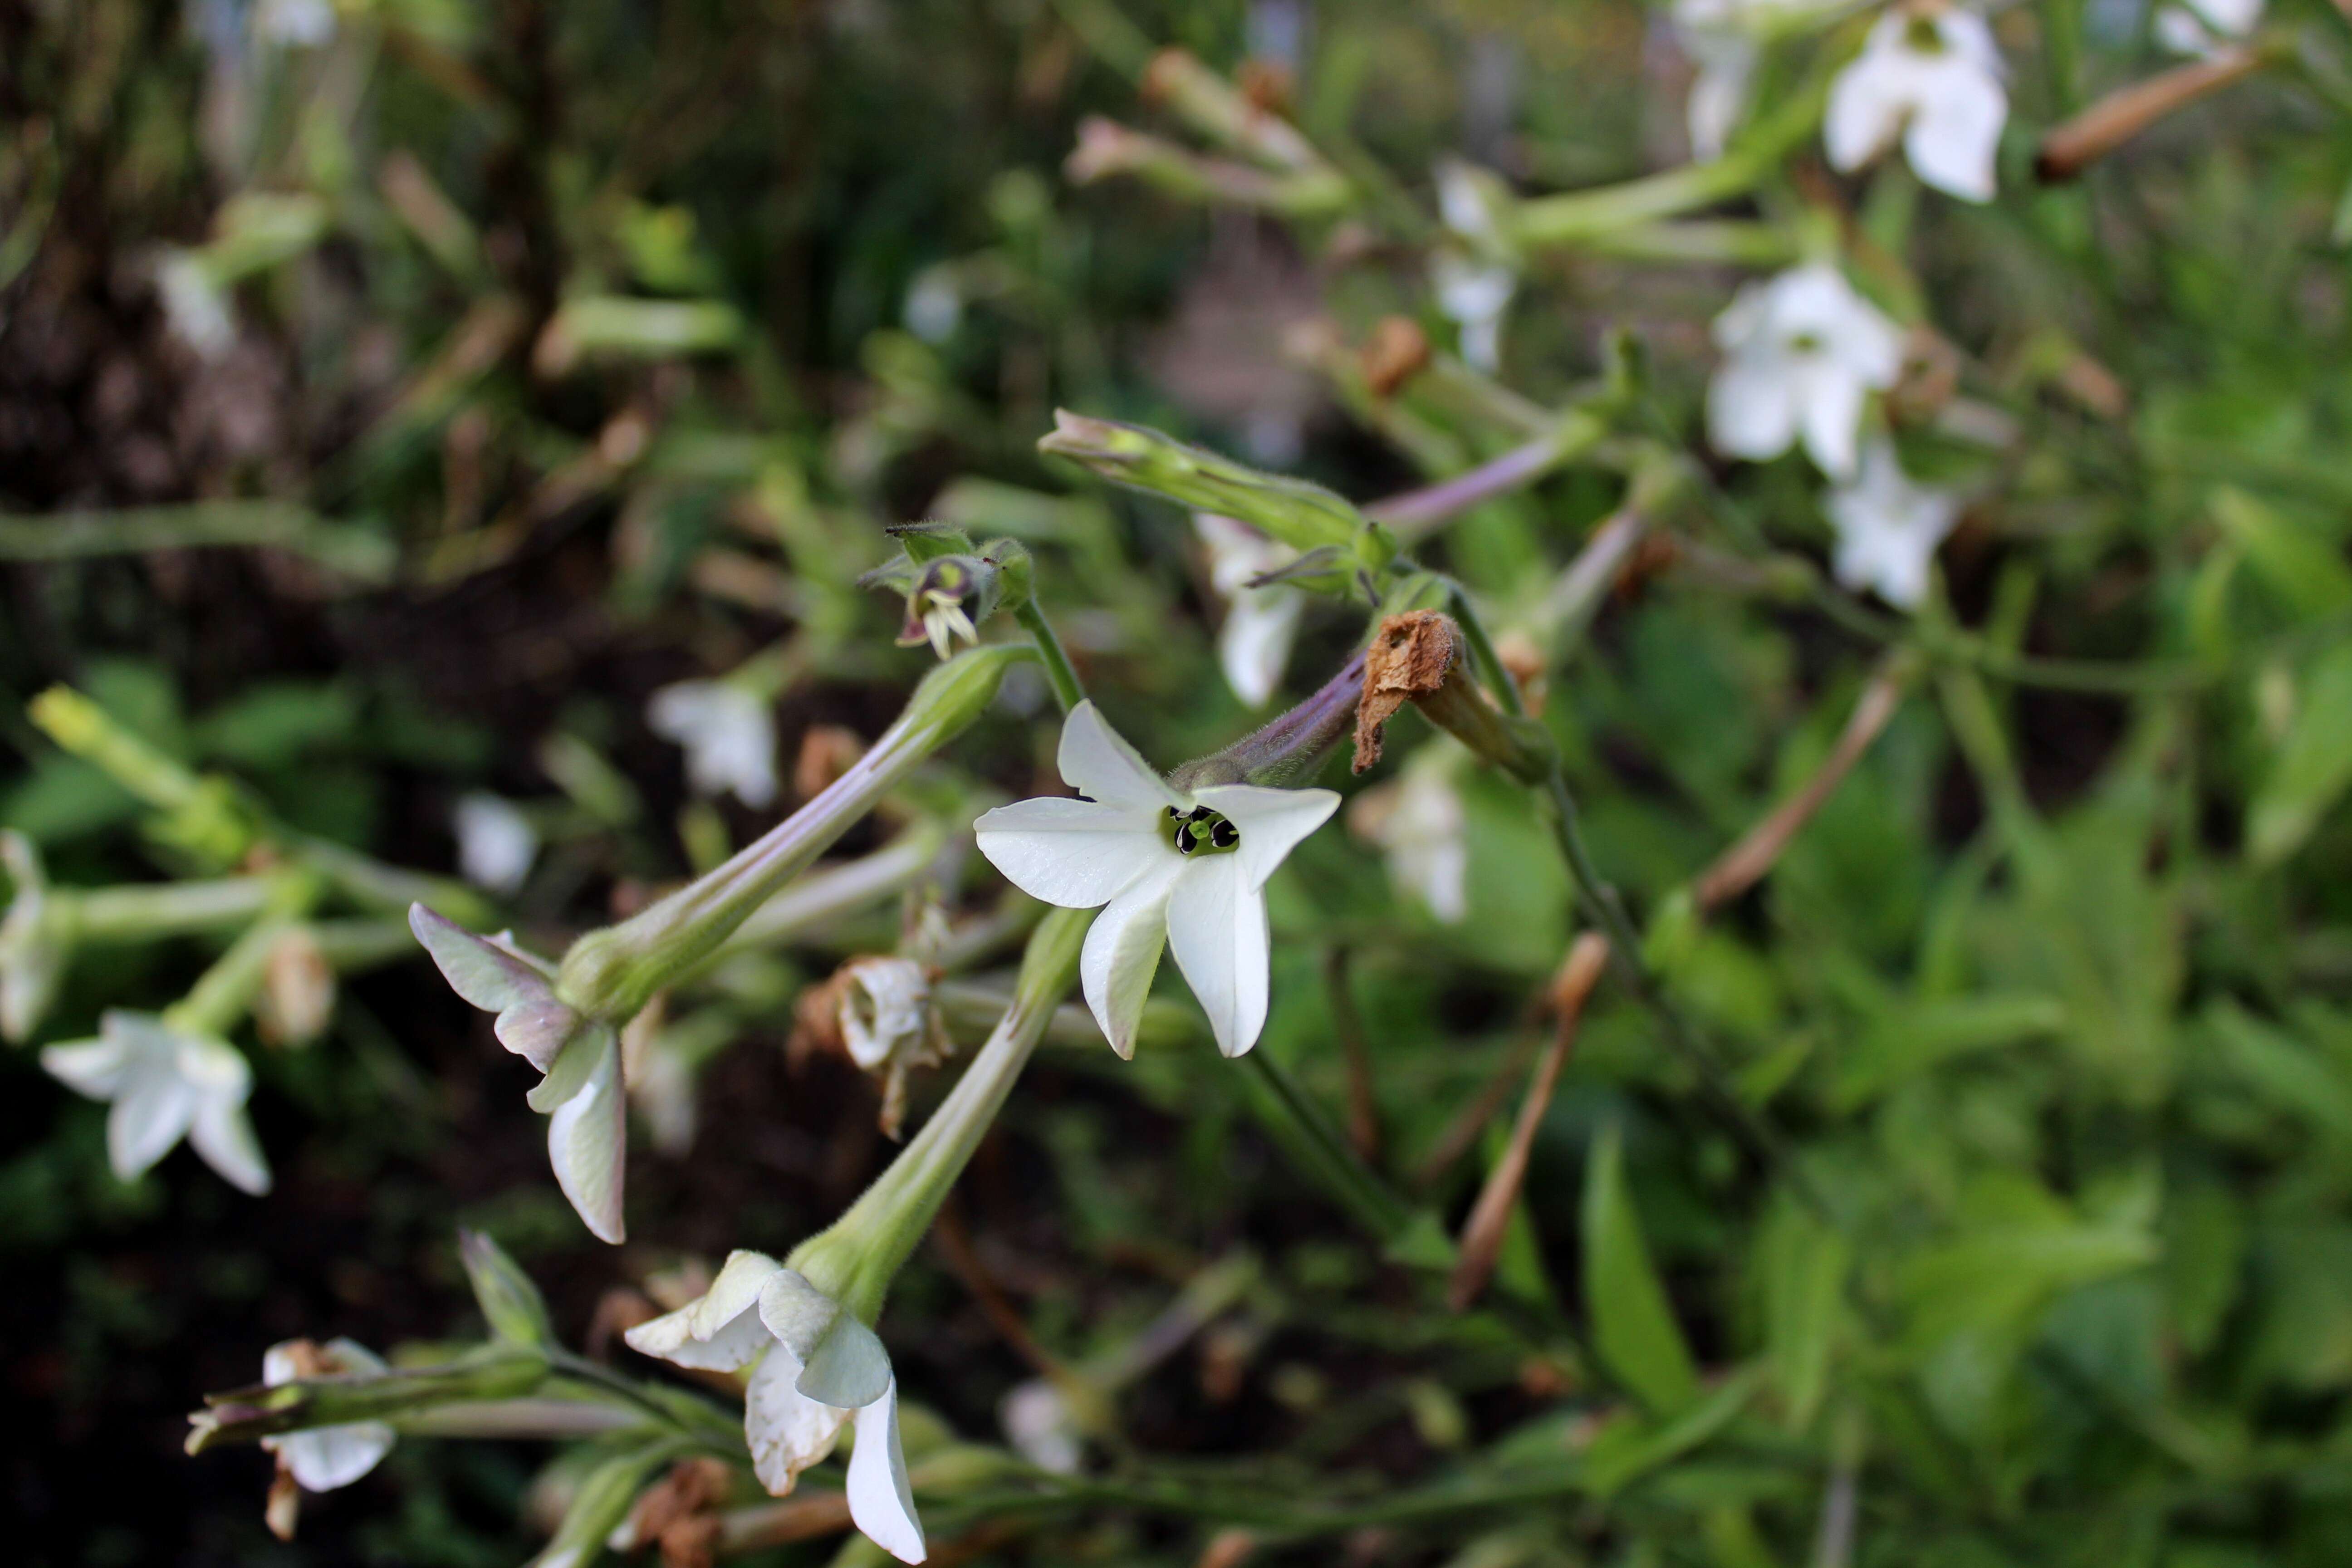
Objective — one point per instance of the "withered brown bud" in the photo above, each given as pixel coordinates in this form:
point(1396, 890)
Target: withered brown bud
point(1395, 353)
point(1409, 660)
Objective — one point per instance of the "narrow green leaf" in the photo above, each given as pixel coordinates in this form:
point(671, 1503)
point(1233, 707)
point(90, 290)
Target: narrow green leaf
point(1633, 1327)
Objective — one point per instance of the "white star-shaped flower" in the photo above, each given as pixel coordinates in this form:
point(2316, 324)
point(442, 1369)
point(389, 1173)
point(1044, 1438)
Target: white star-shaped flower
point(165, 1084)
point(1933, 79)
point(1801, 353)
point(1473, 295)
point(816, 1367)
point(1261, 624)
point(2205, 27)
point(325, 1458)
point(1888, 528)
point(729, 735)
point(1186, 870)
point(496, 842)
point(1418, 822)
point(1041, 1427)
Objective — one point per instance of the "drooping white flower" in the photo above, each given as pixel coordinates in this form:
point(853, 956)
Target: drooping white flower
point(196, 307)
point(325, 1458)
point(1186, 870)
point(1261, 624)
point(1039, 1424)
point(496, 842)
point(165, 1084)
point(1933, 79)
point(583, 1095)
point(1419, 824)
point(815, 1368)
point(2204, 27)
point(1888, 528)
point(1801, 353)
point(1473, 295)
point(729, 735)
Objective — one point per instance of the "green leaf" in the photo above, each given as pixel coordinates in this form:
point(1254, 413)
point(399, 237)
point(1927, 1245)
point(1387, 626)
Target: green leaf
point(1633, 1327)
point(1630, 1449)
point(1804, 1265)
point(2314, 765)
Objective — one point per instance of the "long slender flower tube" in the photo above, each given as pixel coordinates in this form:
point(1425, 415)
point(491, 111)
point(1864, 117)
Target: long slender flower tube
point(1168, 867)
point(566, 1020)
point(803, 1327)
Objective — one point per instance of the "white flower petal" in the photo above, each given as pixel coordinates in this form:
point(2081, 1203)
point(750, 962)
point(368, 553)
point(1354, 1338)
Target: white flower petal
point(1037, 1422)
point(91, 1068)
point(1072, 853)
point(1954, 135)
point(1216, 927)
point(587, 1143)
point(785, 1429)
point(331, 1456)
point(1750, 410)
point(151, 1112)
point(1272, 822)
point(1122, 953)
point(222, 1135)
point(1098, 763)
point(496, 842)
point(1831, 403)
point(1718, 93)
point(881, 1502)
point(1866, 108)
point(727, 732)
point(1254, 645)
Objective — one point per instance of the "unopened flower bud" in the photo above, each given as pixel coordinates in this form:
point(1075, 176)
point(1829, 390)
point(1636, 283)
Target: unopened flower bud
point(510, 1303)
point(1297, 514)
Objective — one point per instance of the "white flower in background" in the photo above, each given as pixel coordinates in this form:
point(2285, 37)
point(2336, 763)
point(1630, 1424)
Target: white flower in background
point(1474, 296)
point(934, 305)
point(295, 24)
point(1419, 824)
point(195, 307)
point(326, 1457)
point(1260, 625)
point(1184, 870)
point(1723, 39)
point(1933, 79)
point(1038, 1423)
point(165, 1085)
point(1888, 528)
point(816, 1367)
point(2206, 26)
point(729, 735)
point(1801, 353)
point(496, 842)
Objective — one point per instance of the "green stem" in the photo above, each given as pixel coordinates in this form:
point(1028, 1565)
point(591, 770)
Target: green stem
point(1058, 670)
point(1310, 1138)
point(136, 913)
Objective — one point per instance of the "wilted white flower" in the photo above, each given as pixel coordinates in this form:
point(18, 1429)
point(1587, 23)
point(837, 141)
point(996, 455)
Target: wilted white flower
point(1473, 295)
point(815, 1368)
point(886, 1010)
point(496, 842)
point(196, 307)
point(1038, 1423)
point(326, 1457)
point(1933, 79)
point(1260, 625)
point(1801, 353)
point(729, 735)
point(295, 24)
point(1419, 824)
point(1888, 528)
point(1186, 870)
point(2205, 26)
point(165, 1084)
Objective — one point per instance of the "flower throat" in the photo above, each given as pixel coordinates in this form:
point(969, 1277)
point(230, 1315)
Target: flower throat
point(1202, 832)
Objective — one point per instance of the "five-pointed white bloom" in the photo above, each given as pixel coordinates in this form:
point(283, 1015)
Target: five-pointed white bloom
point(817, 1368)
point(325, 1458)
point(2206, 26)
point(165, 1084)
point(729, 735)
point(1418, 822)
point(1260, 625)
point(1933, 79)
point(1186, 870)
point(496, 842)
point(1888, 528)
point(1801, 353)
